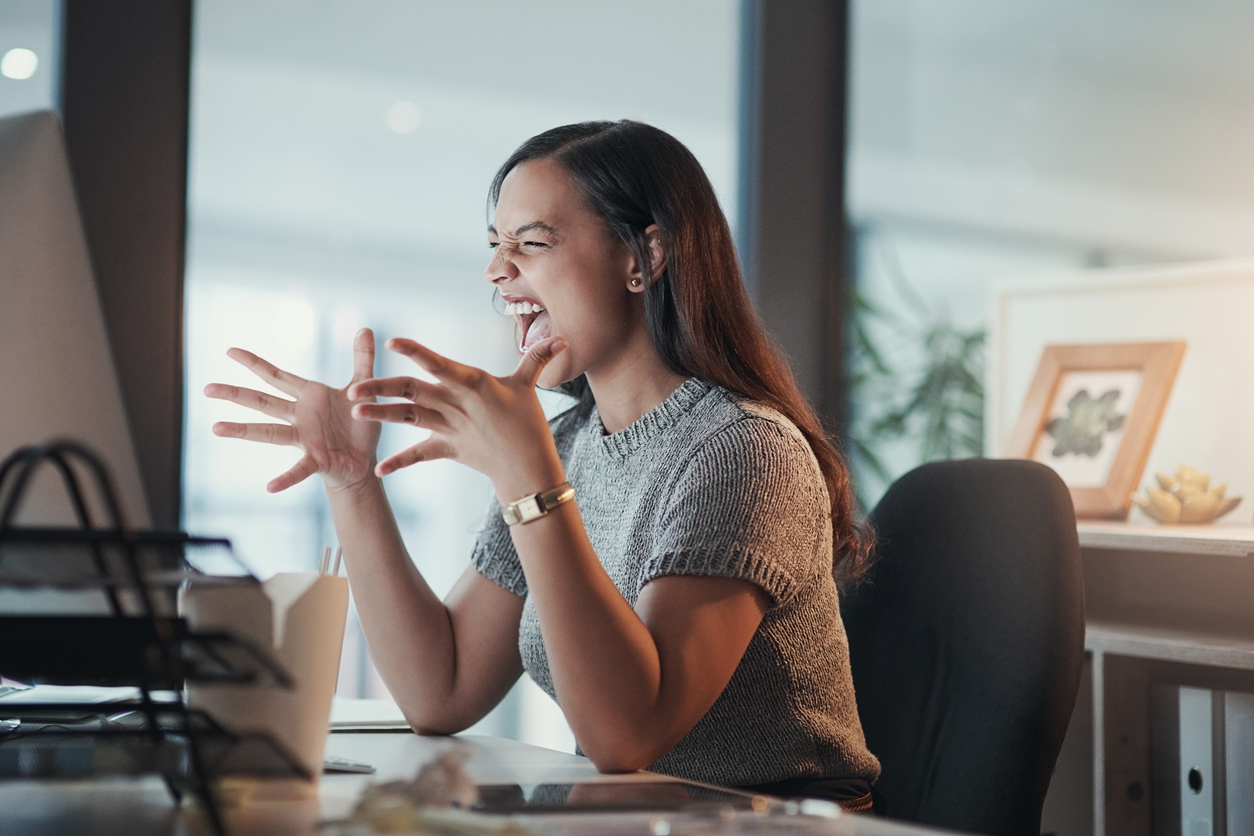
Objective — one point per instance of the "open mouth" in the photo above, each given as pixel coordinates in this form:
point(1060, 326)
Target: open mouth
point(533, 321)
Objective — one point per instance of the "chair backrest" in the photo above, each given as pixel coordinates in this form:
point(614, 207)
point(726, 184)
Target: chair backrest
point(966, 642)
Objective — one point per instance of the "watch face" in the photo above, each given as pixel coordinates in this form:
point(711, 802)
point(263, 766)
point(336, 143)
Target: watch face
point(524, 510)
point(529, 508)
point(537, 505)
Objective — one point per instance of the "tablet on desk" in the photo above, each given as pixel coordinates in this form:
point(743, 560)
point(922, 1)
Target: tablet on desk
point(13, 694)
point(610, 796)
point(49, 699)
point(366, 715)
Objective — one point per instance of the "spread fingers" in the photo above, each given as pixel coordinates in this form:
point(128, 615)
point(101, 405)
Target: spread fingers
point(299, 472)
point(285, 382)
point(401, 413)
point(442, 368)
point(265, 433)
point(271, 405)
point(429, 450)
point(408, 388)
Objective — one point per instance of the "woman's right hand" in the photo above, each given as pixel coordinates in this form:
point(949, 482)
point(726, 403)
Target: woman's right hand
point(319, 420)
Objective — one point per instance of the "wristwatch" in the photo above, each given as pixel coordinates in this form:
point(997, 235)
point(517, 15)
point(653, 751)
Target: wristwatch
point(536, 505)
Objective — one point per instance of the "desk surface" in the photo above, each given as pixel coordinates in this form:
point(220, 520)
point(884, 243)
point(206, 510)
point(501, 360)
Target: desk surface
point(138, 807)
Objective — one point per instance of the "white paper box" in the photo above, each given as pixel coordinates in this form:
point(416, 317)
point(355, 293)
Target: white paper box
point(301, 617)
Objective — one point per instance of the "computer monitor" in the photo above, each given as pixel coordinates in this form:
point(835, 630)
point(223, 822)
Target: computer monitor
point(57, 378)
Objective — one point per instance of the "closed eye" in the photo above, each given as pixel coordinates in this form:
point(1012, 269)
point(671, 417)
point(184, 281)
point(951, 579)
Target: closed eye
point(492, 245)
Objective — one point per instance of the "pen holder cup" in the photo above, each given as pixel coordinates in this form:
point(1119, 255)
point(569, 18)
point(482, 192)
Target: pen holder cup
point(299, 618)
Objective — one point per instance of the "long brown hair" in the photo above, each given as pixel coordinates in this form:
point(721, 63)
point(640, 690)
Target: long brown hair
point(698, 313)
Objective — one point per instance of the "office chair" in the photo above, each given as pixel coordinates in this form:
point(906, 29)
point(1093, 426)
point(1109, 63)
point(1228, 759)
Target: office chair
point(966, 640)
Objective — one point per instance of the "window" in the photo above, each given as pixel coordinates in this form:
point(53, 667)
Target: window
point(30, 32)
point(340, 158)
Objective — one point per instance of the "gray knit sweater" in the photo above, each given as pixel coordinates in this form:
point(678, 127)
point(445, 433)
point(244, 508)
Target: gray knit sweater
point(709, 483)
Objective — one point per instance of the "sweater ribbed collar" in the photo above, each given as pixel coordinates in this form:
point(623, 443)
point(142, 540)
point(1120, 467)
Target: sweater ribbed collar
point(622, 443)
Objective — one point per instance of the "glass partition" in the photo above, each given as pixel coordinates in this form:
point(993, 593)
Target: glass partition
point(1002, 140)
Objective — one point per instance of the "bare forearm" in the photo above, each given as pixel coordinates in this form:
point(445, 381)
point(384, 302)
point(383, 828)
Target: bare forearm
point(605, 664)
point(407, 626)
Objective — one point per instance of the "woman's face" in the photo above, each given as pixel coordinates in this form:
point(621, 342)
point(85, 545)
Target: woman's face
point(562, 272)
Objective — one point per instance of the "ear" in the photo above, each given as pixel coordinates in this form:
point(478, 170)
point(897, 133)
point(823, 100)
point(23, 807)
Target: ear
point(657, 259)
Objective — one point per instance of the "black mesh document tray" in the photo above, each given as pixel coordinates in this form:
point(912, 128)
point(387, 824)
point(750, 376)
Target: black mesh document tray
point(125, 632)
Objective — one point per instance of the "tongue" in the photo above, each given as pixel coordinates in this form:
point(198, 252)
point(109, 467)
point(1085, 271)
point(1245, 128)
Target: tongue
point(539, 329)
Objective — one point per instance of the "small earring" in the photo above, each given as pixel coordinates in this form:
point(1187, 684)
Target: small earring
point(635, 283)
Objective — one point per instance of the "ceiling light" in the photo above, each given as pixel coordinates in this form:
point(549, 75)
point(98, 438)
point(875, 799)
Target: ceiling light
point(403, 117)
point(19, 64)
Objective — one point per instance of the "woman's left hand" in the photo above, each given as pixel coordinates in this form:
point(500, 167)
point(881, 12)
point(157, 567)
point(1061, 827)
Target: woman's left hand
point(492, 424)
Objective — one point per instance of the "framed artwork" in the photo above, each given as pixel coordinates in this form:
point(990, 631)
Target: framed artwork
point(1091, 414)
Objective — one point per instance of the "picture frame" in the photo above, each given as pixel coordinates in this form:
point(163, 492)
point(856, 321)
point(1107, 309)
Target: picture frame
point(1091, 413)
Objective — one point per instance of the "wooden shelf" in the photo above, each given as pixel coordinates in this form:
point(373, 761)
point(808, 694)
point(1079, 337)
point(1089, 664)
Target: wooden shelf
point(1230, 540)
point(1170, 645)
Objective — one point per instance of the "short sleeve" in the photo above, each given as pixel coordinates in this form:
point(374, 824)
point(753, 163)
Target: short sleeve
point(750, 503)
point(494, 557)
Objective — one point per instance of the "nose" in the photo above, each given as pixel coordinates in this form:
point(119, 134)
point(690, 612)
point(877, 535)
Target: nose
point(501, 267)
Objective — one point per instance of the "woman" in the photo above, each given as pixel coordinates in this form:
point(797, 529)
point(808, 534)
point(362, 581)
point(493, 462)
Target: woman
point(682, 608)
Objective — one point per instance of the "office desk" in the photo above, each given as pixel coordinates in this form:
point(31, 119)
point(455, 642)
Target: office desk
point(140, 807)
point(1163, 604)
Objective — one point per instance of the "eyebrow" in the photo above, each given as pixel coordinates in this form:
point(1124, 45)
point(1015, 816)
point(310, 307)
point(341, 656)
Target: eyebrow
point(541, 225)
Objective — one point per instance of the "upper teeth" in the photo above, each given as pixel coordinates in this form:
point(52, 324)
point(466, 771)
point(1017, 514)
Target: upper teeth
point(522, 308)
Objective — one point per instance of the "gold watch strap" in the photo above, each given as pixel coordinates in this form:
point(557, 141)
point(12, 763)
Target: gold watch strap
point(536, 505)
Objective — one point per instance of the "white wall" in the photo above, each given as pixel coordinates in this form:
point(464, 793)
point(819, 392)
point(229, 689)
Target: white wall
point(1208, 419)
